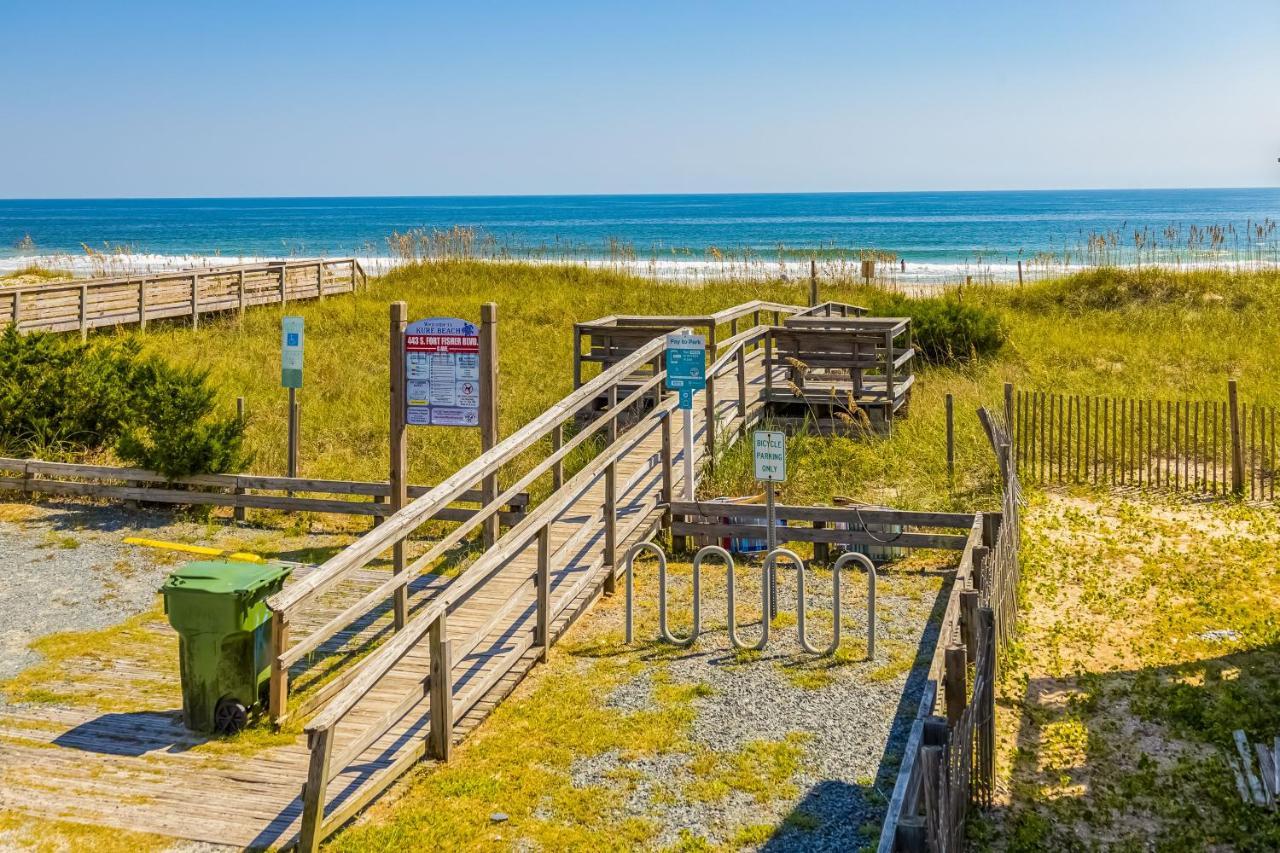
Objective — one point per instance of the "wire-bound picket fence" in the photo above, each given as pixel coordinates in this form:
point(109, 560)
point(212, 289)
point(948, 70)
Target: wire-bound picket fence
point(949, 762)
point(1200, 446)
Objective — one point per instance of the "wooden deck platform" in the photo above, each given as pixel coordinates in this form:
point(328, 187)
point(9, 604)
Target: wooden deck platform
point(143, 771)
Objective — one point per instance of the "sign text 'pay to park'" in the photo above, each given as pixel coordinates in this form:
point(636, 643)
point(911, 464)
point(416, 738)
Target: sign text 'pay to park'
point(770, 454)
point(686, 365)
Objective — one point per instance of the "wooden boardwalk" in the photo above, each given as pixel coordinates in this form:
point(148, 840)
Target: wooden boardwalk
point(145, 772)
point(90, 303)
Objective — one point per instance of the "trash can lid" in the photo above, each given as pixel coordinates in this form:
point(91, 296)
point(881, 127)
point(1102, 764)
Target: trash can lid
point(224, 577)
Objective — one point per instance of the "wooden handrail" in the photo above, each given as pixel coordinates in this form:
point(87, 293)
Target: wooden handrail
point(381, 661)
point(419, 511)
point(370, 600)
point(178, 274)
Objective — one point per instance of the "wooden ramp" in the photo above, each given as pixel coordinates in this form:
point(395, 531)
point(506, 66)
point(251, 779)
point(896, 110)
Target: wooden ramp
point(145, 772)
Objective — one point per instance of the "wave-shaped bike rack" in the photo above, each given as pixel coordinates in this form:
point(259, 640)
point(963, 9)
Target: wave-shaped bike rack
point(663, 630)
point(769, 573)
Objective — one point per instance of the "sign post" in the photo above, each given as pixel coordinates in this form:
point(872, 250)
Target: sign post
point(769, 453)
point(398, 474)
point(291, 343)
point(687, 373)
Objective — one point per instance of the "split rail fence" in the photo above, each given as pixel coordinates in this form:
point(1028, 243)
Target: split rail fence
point(84, 304)
point(239, 491)
point(949, 761)
point(1200, 446)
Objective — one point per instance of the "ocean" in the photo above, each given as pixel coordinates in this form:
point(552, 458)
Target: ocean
point(930, 233)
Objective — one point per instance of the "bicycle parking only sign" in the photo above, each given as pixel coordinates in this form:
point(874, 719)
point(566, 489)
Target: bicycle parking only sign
point(770, 454)
point(442, 372)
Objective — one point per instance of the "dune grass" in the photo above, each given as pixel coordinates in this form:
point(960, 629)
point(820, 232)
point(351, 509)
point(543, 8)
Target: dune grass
point(1109, 331)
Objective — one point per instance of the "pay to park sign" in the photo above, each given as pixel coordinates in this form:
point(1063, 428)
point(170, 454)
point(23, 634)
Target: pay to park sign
point(686, 366)
point(442, 372)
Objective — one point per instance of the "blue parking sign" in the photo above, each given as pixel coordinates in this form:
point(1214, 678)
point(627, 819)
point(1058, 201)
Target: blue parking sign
point(686, 362)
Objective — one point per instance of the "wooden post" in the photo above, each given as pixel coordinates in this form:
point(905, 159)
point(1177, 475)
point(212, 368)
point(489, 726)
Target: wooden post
point(542, 627)
point(17, 310)
point(821, 550)
point(741, 366)
point(195, 302)
point(1019, 272)
point(489, 410)
point(610, 525)
point(321, 745)
point(710, 394)
point(979, 558)
point(813, 283)
point(239, 512)
point(888, 379)
point(278, 688)
point(320, 281)
point(951, 441)
point(668, 475)
point(612, 404)
point(293, 432)
point(969, 622)
point(284, 274)
point(240, 293)
point(1237, 456)
point(399, 495)
point(1008, 410)
point(768, 366)
point(577, 356)
point(557, 470)
point(353, 274)
point(142, 304)
point(441, 725)
point(84, 312)
point(954, 679)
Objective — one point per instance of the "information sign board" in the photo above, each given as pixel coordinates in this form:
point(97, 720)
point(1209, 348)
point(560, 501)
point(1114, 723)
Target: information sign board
point(442, 372)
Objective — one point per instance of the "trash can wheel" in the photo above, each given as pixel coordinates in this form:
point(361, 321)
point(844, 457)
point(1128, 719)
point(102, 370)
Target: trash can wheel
point(230, 716)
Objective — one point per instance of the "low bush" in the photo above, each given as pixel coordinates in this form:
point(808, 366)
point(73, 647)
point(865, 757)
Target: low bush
point(60, 396)
point(946, 328)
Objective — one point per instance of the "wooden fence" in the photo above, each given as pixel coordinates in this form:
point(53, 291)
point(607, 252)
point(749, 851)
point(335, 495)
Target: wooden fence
point(1202, 446)
point(240, 491)
point(81, 305)
point(949, 761)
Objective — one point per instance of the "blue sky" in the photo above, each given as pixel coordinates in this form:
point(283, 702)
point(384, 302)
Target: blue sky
point(383, 98)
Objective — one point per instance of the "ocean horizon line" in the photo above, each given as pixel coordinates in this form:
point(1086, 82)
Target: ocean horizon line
point(606, 195)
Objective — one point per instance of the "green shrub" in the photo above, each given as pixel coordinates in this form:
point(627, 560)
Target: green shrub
point(173, 429)
point(945, 328)
point(59, 395)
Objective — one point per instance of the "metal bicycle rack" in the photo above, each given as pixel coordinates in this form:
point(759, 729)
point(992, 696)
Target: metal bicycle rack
point(767, 583)
point(663, 630)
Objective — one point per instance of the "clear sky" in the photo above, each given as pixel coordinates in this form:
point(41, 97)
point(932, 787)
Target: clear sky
point(413, 98)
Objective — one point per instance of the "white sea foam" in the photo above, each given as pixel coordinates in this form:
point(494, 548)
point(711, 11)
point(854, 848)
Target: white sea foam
point(688, 270)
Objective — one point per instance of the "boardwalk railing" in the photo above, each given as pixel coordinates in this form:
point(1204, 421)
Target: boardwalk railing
point(1202, 446)
point(550, 425)
point(949, 760)
point(491, 576)
point(240, 491)
point(84, 304)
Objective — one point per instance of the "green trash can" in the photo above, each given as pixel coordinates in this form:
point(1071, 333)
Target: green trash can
point(219, 610)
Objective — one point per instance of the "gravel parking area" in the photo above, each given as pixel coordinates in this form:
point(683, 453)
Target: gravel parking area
point(850, 716)
point(66, 566)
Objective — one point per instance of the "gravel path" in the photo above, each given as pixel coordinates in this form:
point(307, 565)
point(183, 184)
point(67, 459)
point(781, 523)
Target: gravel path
point(857, 722)
point(66, 566)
